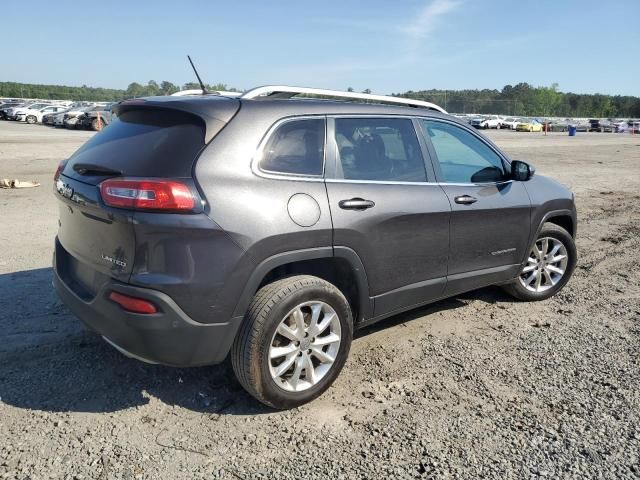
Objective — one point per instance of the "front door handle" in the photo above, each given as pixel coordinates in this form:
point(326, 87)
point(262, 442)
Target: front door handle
point(356, 204)
point(466, 199)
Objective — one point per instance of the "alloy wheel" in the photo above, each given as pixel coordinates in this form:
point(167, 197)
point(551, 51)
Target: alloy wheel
point(304, 346)
point(545, 266)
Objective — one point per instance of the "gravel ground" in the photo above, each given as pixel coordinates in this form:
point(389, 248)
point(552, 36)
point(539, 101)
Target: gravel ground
point(478, 386)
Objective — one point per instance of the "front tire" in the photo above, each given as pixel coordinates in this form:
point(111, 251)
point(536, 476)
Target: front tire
point(293, 342)
point(549, 266)
point(31, 119)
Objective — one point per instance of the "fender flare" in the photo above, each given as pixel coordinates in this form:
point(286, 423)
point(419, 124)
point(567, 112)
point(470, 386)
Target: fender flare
point(268, 264)
point(565, 212)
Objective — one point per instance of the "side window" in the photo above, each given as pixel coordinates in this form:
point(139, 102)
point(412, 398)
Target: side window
point(296, 148)
point(463, 157)
point(383, 149)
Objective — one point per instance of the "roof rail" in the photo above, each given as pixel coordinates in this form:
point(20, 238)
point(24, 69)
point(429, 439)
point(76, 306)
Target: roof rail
point(284, 91)
point(223, 93)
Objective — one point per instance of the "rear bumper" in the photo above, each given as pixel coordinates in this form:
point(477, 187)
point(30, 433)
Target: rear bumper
point(168, 337)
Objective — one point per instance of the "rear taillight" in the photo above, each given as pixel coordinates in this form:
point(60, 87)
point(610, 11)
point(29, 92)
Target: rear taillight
point(133, 304)
point(59, 170)
point(147, 194)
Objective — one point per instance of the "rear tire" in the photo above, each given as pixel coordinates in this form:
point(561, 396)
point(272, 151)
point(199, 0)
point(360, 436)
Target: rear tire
point(272, 349)
point(545, 264)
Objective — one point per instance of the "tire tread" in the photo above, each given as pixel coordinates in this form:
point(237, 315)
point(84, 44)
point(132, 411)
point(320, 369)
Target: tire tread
point(247, 342)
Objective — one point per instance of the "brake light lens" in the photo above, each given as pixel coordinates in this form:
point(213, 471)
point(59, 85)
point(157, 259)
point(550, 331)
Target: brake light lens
point(147, 194)
point(59, 170)
point(133, 304)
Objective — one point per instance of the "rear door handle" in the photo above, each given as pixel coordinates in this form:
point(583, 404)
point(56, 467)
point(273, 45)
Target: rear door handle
point(466, 199)
point(356, 204)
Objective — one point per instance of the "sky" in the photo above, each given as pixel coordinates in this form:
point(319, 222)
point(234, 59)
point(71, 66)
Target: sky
point(586, 46)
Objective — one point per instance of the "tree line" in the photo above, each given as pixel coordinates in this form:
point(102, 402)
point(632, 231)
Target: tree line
point(521, 99)
point(97, 94)
point(527, 100)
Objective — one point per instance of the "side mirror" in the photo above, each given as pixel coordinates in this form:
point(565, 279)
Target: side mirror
point(521, 171)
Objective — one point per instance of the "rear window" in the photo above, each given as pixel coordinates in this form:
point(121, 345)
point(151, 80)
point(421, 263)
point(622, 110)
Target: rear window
point(156, 143)
point(296, 148)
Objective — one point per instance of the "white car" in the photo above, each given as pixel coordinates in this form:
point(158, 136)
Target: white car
point(492, 121)
point(488, 121)
point(34, 115)
point(511, 122)
point(11, 113)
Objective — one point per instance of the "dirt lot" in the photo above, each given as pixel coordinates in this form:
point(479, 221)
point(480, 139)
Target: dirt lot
point(478, 386)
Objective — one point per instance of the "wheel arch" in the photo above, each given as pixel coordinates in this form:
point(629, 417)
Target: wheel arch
point(340, 266)
point(564, 218)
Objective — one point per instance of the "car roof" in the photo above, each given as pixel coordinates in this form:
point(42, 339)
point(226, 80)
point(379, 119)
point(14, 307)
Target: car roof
point(284, 107)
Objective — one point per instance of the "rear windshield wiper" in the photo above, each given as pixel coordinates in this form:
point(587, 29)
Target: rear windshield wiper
point(95, 170)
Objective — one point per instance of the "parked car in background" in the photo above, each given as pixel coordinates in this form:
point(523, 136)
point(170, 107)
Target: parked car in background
point(607, 126)
point(49, 118)
point(476, 122)
point(34, 115)
point(559, 126)
point(489, 121)
point(11, 113)
point(529, 126)
point(70, 118)
point(620, 126)
point(594, 125)
point(8, 105)
point(95, 118)
point(581, 126)
point(508, 122)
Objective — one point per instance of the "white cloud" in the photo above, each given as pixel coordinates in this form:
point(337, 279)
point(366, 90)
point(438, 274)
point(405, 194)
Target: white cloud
point(428, 17)
point(407, 38)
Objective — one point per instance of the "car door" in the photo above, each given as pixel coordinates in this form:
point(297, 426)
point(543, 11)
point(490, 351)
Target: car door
point(490, 218)
point(386, 206)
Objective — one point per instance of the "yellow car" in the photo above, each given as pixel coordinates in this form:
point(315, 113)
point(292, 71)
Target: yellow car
point(529, 126)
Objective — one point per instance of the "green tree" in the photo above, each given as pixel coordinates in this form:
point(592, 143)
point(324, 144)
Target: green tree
point(167, 88)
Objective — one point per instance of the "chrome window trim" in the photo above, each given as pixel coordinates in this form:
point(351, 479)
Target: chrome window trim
point(257, 156)
point(377, 182)
point(390, 182)
point(255, 161)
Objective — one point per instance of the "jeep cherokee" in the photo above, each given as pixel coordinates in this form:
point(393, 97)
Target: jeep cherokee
point(268, 228)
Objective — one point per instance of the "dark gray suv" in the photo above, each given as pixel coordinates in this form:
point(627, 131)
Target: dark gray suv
point(269, 228)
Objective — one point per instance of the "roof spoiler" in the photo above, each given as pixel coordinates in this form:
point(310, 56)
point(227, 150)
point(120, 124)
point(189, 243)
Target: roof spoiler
point(214, 115)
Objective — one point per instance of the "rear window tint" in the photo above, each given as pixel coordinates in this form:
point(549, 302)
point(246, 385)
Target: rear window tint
point(295, 148)
point(384, 149)
point(158, 143)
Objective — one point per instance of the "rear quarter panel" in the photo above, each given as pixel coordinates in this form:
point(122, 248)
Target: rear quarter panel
point(253, 209)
